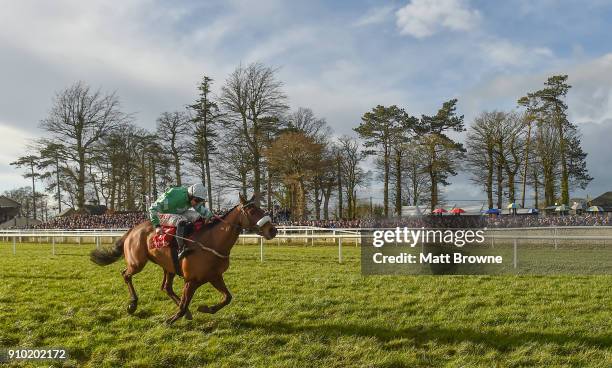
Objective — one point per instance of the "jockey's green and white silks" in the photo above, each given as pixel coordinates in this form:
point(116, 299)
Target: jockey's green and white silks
point(175, 201)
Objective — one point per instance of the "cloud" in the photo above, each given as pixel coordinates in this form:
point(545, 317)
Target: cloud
point(423, 18)
point(295, 38)
point(589, 99)
point(14, 142)
point(596, 142)
point(589, 106)
point(506, 53)
point(374, 16)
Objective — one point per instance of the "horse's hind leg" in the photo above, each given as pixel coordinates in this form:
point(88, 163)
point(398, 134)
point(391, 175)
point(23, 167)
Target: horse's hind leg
point(167, 287)
point(127, 274)
point(127, 277)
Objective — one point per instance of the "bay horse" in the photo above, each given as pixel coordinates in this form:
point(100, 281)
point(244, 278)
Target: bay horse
point(208, 261)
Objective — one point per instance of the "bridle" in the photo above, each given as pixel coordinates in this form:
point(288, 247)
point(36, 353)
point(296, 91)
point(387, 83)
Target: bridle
point(238, 227)
point(244, 217)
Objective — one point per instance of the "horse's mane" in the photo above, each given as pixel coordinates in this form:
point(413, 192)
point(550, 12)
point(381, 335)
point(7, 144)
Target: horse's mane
point(217, 219)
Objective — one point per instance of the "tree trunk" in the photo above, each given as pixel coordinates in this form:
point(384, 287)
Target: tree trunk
point(129, 190)
point(257, 177)
point(59, 193)
point(489, 183)
point(500, 186)
point(433, 190)
point(33, 190)
point(154, 180)
point(339, 190)
point(326, 196)
point(511, 195)
point(398, 183)
point(269, 193)
point(177, 167)
point(113, 187)
point(432, 177)
point(207, 167)
point(301, 199)
point(243, 184)
point(564, 173)
point(536, 189)
point(317, 199)
point(527, 145)
point(386, 164)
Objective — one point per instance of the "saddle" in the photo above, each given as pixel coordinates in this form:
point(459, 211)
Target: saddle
point(167, 239)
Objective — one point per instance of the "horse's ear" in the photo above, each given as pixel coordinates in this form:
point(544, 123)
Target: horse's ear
point(253, 197)
point(242, 198)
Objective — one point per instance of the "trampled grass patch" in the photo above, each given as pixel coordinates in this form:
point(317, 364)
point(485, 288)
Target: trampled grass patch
point(301, 308)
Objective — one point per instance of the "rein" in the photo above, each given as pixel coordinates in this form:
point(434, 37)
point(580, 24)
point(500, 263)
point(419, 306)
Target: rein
point(203, 247)
point(235, 226)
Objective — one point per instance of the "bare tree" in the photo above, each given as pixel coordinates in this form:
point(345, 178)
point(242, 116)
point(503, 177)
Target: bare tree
point(205, 135)
point(305, 121)
point(172, 128)
point(351, 171)
point(252, 97)
point(78, 118)
point(31, 163)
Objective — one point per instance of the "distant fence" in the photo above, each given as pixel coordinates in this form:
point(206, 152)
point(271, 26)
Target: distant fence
point(310, 234)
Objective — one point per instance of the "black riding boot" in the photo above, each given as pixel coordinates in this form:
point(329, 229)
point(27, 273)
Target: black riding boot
point(183, 248)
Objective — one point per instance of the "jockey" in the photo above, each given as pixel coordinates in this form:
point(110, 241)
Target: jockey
point(180, 203)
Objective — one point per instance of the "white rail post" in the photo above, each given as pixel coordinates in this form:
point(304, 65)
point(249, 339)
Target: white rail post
point(555, 236)
point(339, 250)
point(53, 246)
point(260, 249)
point(515, 258)
point(14, 245)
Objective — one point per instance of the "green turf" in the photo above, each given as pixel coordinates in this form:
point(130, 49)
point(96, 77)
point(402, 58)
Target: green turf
point(300, 308)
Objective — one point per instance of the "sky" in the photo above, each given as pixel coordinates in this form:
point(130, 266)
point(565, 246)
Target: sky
point(339, 58)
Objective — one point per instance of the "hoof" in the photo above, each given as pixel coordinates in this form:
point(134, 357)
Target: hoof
point(188, 315)
point(205, 309)
point(131, 308)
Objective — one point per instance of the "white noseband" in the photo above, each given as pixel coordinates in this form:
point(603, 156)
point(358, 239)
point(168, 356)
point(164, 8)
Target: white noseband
point(262, 221)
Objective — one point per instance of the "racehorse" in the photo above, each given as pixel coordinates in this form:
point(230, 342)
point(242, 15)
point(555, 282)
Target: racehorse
point(212, 245)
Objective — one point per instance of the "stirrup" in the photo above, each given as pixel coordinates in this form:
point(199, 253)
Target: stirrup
point(184, 252)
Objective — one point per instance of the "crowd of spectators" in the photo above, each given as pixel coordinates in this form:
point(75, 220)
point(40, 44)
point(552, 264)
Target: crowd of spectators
point(127, 220)
point(503, 221)
point(587, 219)
point(107, 221)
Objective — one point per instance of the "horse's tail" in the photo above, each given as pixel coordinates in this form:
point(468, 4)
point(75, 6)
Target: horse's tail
point(107, 255)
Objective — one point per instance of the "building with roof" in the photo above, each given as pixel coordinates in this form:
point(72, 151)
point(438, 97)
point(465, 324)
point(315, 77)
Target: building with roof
point(9, 209)
point(604, 201)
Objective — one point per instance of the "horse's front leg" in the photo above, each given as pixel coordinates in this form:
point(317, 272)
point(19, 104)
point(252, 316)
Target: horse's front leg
point(167, 287)
point(218, 284)
point(188, 291)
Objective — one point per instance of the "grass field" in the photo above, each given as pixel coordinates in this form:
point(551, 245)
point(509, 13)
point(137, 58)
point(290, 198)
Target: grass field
point(300, 308)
